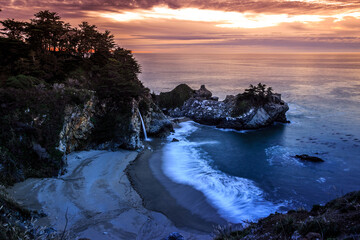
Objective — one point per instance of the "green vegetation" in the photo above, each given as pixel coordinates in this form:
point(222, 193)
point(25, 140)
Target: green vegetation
point(253, 96)
point(21, 82)
point(47, 65)
point(47, 50)
point(175, 98)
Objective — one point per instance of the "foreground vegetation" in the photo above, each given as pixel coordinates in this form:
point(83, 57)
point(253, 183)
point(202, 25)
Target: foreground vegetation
point(338, 219)
point(17, 222)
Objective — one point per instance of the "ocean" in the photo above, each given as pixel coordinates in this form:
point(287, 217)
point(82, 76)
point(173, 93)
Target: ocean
point(246, 175)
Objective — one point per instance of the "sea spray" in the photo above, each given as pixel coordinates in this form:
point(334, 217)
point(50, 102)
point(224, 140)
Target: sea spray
point(143, 126)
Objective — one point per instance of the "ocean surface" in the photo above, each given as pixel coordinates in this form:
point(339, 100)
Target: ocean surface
point(246, 175)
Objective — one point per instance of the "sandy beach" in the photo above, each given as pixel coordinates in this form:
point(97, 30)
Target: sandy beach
point(96, 196)
point(186, 207)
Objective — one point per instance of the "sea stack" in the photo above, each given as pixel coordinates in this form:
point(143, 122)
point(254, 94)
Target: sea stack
point(257, 107)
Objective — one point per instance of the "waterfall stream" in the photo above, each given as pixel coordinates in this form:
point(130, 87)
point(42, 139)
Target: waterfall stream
point(143, 126)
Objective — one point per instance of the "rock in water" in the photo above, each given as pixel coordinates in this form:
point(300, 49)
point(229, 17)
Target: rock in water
point(203, 93)
point(305, 157)
point(244, 111)
point(174, 236)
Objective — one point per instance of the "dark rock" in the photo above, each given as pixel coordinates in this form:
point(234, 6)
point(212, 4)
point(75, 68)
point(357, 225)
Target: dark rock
point(159, 124)
point(174, 236)
point(253, 114)
point(305, 157)
point(174, 98)
point(40, 151)
point(313, 236)
point(175, 140)
point(203, 93)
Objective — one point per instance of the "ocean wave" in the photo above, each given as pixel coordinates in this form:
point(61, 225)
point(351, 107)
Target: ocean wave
point(227, 129)
point(236, 199)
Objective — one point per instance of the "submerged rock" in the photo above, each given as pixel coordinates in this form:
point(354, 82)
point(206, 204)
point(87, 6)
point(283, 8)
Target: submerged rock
point(174, 236)
point(305, 157)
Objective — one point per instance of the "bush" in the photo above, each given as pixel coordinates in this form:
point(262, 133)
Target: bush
point(326, 229)
point(286, 226)
point(22, 82)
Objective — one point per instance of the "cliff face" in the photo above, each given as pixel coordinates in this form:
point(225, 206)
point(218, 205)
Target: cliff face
point(40, 126)
point(77, 125)
point(236, 112)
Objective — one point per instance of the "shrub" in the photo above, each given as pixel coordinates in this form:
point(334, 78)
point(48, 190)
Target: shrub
point(22, 82)
point(327, 229)
point(286, 226)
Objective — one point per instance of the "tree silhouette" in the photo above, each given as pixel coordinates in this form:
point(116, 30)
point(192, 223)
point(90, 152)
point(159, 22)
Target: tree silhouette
point(14, 30)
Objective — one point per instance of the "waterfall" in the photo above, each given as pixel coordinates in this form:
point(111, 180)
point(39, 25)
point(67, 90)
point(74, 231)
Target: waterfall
point(143, 126)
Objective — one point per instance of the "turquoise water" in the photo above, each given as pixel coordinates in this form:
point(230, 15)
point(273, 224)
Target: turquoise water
point(249, 174)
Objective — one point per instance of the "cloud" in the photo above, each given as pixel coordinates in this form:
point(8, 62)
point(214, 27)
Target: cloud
point(165, 24)
point(257, 6)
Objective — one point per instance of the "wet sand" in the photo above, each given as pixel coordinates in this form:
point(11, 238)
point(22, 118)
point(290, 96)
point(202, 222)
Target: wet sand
point(186, 207)
point(99, 201)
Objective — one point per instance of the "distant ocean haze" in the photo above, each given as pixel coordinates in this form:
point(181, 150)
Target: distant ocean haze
point(323, 92)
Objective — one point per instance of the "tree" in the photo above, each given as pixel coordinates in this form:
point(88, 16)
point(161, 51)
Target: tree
point(269, 91)
point(261, 89)
point(251, 90)
point(45, 31)
point(92, 41)
point(14, 30)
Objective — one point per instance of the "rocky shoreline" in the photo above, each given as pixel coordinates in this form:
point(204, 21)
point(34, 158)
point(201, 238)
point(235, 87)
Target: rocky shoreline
point(253, 109)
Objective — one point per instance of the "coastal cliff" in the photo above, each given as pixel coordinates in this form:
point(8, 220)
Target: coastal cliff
point(39, 130)
point(63, 93)
point(255, 108)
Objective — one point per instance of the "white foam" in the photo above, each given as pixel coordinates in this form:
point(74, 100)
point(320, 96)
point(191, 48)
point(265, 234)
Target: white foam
point(226, 129)
point(321, 180)
point(281, 156)
point(237, 199)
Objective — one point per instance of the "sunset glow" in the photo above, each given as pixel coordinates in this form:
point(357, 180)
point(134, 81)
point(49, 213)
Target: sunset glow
point(188, 26)
point(219, 18)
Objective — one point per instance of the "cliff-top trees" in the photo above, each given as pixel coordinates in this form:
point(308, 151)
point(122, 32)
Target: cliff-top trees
point(46, 32)
point(253, 96)
point(53, 48)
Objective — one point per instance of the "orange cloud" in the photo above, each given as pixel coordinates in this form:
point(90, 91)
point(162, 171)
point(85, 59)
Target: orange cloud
point(168, 25)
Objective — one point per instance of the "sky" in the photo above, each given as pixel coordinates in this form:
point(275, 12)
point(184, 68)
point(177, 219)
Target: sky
point(213, 26)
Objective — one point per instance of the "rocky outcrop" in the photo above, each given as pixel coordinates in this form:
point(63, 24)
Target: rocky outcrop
point(203, 93)
point(338, 219)
point(159, 124)
point(77, 125)
point(205, 109)
point(83, 124)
